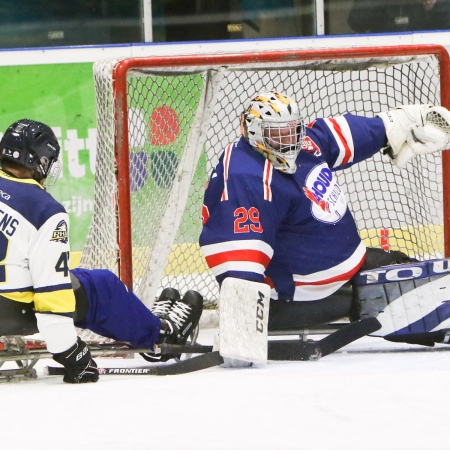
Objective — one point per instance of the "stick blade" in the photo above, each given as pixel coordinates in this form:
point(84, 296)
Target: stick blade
point(348, 334)
point(201, 362)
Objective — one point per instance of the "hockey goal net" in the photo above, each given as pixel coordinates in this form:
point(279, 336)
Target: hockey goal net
point(164, 121)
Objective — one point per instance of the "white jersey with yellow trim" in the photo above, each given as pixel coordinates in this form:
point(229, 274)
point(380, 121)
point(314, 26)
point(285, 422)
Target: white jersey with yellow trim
point(34, 257)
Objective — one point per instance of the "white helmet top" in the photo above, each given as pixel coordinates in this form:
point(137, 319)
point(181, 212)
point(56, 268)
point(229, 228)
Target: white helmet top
point(274, 127)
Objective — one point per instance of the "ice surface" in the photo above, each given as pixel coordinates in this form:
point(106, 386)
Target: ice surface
point(347, 400)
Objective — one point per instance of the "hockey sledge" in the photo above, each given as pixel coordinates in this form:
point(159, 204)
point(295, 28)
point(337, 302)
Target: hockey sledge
point(26, 352)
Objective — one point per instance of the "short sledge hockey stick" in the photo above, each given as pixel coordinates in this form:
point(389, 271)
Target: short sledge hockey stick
point(186, 366)
point(283, 350)
point(297, 350)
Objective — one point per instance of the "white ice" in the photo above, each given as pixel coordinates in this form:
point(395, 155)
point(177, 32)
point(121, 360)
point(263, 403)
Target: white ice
point(347, 400)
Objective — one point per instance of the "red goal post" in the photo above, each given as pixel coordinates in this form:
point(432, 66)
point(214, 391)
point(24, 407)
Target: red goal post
point(163, 122)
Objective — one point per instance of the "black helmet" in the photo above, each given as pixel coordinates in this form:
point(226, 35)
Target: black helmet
point(31, 144)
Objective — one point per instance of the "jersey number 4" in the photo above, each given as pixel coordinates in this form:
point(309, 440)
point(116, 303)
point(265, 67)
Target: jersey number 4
point(63, 263)
point(247, 220)
point(61, 266)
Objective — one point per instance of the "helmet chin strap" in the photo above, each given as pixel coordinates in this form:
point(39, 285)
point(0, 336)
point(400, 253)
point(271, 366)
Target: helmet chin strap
point(37, 172)
point(37, 176)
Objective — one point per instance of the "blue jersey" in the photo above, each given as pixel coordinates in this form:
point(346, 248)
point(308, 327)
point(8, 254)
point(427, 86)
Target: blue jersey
point(293, 232)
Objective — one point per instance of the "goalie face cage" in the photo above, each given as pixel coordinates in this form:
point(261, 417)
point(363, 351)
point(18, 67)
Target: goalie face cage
point(164, 121)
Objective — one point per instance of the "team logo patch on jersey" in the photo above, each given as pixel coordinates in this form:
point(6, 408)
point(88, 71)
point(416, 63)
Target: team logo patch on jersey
point(309, 146)
point(60, 233)
point(328, 202)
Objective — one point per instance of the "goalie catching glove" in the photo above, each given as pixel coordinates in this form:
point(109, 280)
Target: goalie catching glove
point(415, 130)
point(80, 367)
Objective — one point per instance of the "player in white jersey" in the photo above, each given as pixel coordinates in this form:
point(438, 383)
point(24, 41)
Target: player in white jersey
point(35, 282)
point(274, 213)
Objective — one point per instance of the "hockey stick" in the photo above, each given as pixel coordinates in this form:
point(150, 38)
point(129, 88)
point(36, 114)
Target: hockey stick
point(290, 350)
point(186, 366)
point(297, 350)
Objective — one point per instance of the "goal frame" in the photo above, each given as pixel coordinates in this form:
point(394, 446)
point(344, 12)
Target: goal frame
point(120, 72)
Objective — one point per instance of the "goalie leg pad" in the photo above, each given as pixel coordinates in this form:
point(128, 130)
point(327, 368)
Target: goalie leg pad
point(407, 299)
point(243, 319)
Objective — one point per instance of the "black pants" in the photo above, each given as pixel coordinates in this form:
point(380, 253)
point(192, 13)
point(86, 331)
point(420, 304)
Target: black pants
point(291, 315)
point(18, 319)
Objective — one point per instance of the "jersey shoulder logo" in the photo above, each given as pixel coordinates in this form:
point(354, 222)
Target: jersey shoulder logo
point(60, 233)
point(309, 146)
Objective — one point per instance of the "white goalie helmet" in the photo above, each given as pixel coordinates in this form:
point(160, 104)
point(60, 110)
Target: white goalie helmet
point(274, 127)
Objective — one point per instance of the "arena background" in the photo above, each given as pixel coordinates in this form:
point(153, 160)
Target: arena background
point(55, 86)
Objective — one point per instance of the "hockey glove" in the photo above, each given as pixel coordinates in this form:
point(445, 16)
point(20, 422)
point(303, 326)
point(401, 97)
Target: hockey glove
point(80, 367)
point(415, 130)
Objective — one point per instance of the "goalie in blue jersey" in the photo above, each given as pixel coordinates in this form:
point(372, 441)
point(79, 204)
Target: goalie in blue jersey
point(275, 214)
point(37, 290)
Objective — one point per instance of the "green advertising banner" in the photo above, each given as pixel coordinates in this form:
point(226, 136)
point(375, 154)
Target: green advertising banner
point(63, 97)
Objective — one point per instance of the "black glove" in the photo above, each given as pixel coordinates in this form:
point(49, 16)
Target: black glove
point(80, 367)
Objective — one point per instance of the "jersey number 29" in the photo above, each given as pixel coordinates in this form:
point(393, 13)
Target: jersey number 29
point(243, 216)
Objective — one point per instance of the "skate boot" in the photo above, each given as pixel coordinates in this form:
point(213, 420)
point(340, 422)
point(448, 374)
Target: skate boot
point(185, 315)
point(177, 324)
point(164, 303)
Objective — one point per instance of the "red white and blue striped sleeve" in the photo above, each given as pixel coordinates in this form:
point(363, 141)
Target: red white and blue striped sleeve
point(348, 139)
point(342, 134)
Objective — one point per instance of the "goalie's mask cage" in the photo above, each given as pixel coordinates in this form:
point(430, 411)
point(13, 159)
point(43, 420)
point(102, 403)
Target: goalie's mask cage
point(164, 121)
point(268, 117)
